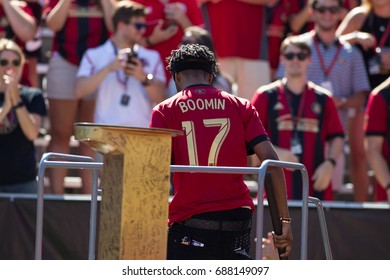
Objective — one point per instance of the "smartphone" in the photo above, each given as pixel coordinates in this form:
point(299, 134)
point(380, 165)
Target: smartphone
point(131, 54)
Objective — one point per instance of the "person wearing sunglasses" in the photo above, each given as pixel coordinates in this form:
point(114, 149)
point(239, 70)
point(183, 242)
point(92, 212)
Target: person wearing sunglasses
point(21, 112)
point(128, 78)
point(339, 67)
point(301, 119)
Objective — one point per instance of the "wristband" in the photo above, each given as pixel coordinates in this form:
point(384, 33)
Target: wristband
point(332, 161)
point(285, 220)
point(19, 105)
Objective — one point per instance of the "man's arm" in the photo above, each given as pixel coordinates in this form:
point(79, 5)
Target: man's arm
point(355, 101)
point(323, 173)
point(86, 85)
point(154, 88)
point(264, 151)
point(377, 161)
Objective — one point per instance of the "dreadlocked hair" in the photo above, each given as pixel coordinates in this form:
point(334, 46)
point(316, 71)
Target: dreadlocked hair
point(193, 54)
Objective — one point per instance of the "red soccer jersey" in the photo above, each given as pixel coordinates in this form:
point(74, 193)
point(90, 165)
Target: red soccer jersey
point(237, 29)
point(155, 12)
point(84, 28)
point(377, 116)
point(219, 129)
point(317, 122)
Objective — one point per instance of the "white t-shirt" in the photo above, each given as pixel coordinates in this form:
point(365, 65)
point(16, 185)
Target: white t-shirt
point(108, 102)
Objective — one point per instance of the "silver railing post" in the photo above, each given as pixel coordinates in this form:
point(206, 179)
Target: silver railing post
point(305, 200)
point(66, 161)
point(324, 229)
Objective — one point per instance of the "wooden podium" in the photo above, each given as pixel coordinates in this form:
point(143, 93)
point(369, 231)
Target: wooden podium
point(135, 189)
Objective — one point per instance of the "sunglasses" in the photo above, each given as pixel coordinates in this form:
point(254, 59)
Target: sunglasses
point(290, 56)
point(6, 62)
point(332, 10)
point(139, 26)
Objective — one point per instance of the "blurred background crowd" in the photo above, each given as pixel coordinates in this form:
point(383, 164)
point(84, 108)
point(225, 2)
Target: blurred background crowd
point(104, 61)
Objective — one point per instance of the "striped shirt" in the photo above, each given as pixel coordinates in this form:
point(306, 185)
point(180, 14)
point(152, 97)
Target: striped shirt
point(84, 28)
point(347, 77)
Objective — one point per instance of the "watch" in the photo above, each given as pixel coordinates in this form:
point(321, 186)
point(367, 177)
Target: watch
point(148, 80)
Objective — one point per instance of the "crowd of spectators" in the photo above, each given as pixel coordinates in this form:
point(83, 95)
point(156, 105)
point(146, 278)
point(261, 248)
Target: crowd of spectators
point(245, 35)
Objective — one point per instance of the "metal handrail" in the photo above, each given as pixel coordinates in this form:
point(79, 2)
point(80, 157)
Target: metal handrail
point(261, 171)
point(87, 163)
point(74, 161)
point(324, 229)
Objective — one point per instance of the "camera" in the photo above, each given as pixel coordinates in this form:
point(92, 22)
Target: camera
point(129, 54)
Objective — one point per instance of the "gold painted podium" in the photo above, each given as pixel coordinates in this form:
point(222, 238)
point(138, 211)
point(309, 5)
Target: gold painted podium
point(135, 189)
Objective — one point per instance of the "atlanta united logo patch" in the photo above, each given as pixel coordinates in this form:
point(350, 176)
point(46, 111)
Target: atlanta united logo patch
point(316, 108)
point(278, 106)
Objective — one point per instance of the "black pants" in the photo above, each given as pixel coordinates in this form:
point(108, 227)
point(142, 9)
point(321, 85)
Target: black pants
point(188, 243)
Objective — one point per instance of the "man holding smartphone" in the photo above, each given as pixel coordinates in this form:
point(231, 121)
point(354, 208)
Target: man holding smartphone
point(127, 78)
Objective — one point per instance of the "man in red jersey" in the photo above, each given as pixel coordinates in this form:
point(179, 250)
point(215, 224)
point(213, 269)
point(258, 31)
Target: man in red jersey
point(378, 138)
point(210, 214)
point(300, 118)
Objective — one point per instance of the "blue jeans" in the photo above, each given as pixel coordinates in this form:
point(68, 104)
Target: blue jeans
point(27, 187)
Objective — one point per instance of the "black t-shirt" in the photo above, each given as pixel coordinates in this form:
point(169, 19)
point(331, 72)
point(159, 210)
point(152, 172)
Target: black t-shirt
point(17, 153)
point(376, 26)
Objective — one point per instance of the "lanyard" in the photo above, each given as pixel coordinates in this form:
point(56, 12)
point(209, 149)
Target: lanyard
point(118, 78)
point(384, 36)
point(295, 119)
point(328, 70)
point(125, 98)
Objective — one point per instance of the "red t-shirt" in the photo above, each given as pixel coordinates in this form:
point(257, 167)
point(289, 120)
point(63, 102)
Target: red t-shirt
point(219, 130)
point(237, 29)
point(318, 122)
point(276, 31)
point(377, 116)
point(84, 28)
point(155, 12)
